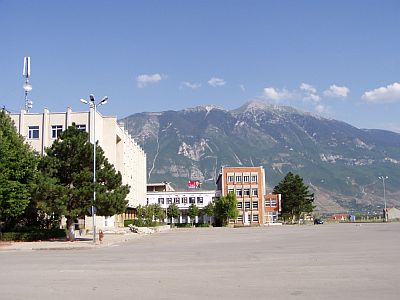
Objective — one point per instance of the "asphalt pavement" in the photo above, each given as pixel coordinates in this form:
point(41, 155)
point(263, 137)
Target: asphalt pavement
point(329, 261)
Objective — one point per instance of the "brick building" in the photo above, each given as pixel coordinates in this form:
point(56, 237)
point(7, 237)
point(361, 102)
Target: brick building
point(255, 206)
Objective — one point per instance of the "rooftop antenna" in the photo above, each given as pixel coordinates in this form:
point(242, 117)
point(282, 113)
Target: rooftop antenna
point(27, 86)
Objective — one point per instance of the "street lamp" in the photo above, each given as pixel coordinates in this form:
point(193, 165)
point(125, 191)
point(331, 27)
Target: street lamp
point(94, 105)
point(384, 194)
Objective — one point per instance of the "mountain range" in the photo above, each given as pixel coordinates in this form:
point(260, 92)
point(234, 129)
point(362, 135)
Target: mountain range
point(339, 162)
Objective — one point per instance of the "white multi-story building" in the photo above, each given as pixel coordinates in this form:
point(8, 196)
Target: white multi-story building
point(121, 150)
point(182, 199)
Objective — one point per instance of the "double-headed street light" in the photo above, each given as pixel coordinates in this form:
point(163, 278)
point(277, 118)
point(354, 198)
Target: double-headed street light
point(94, 105)
point(384, 195)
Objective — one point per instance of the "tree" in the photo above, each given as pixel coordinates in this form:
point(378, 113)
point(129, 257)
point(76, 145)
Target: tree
point(159, 212)
point(150, 212)
point(226, 208)
point(141, 212)
point(209, 210)
point(17, 173)
point(193, 211)
point(66, 187)
point(296, 199)
point(173, 212)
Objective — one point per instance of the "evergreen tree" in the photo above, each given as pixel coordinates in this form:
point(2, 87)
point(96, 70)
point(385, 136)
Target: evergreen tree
point(193, 211)
point(17, 172)
point(66, 185)
point(226, 208)
point(296, 198)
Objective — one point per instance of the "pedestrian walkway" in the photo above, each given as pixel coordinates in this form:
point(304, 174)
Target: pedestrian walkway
point(111, 238)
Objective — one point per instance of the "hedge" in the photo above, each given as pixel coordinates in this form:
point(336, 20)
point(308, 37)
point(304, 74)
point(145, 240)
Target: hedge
point(140, 223)
point(33, 235)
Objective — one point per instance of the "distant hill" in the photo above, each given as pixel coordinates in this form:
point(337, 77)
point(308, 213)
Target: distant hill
point(340, 163)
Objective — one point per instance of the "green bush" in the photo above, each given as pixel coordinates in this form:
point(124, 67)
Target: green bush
point(32, 235)
point(140, 223)
point(202, 225)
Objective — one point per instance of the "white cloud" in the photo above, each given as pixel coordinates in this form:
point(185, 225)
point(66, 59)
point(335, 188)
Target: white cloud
point(308, 88)
point(321, 109)
point(214, 81)
point(271, 93)
point(190, 85)
point(144, 79)
point(310, 93)
point(313, 98)
point(242, 87)
point(337, 91)
point(387, 94)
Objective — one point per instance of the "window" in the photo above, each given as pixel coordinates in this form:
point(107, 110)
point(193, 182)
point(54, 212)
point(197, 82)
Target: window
point(239, 192)
point(255, 218)
point(253, 178)
point(230, 178)
point(239, 205)
point(169, 200)
point(270, 202)
point(246, 178)
point(254, 192)
point(184, 200)
point(238, 178)
point(33, 132)
point(160, 200)
point(230, 191)
point(240, 218)
point(192, 200)
point(56, 131)
point(81, 127)
point(246, 192)
point(177, 200)
point(199, 200)
point(247, 205)
point(255, 204)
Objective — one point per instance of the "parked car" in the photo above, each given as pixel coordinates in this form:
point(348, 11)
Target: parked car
point(318, 221)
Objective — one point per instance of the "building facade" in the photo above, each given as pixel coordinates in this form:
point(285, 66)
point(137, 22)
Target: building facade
point(255, 206)
point(183, 200)
point(121, 150)
point(392, 213)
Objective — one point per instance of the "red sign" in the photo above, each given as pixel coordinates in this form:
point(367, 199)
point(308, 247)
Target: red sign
point(194, 184)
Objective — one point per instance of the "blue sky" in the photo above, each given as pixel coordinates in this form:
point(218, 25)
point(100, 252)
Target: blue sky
point(339, 59)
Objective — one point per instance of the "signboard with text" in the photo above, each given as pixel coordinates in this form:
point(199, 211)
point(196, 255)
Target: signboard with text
point(194, 184)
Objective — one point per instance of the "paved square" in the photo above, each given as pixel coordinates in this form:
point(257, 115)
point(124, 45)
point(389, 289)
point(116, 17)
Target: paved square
point(330, 261)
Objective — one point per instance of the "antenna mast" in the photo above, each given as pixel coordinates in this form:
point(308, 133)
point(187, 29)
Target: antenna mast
point(27, 86)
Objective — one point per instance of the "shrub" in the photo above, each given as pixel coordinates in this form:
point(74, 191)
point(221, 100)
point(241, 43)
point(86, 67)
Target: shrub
point(140, 223)
point(202, 225)
point(32, 235)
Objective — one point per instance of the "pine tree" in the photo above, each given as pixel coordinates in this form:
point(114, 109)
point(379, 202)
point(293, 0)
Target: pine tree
point(17, 172)
point(296, 199)
point(66, 185)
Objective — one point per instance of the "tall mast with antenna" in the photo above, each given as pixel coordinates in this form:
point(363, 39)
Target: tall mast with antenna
point(27, 86)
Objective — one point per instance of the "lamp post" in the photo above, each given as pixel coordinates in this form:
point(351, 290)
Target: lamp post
point(94, 105)
point(384, 194)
